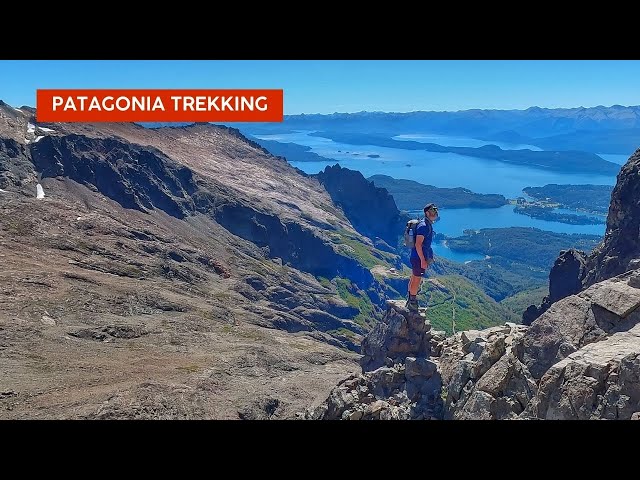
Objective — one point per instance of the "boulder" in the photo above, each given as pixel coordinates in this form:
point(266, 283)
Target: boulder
point(599, 381)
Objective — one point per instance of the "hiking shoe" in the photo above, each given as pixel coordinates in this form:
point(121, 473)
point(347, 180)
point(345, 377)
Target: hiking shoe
point(412, 305)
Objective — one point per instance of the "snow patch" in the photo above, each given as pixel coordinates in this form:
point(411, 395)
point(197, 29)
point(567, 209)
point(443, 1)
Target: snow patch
point(46, 129)
point(39, 137)
point(39, 191)
point(31, 128)
point(2, 191)
point(47, 320)
point(17, 109)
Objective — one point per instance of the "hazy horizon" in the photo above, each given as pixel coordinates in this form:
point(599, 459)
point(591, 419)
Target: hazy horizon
point(416, 111)
point(468, 110)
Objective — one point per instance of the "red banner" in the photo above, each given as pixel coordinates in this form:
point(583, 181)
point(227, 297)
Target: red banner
point(159, 105)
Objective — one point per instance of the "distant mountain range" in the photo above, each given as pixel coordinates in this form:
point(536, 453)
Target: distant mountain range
point(600, 129)
point(570, 161)
point(614, 129)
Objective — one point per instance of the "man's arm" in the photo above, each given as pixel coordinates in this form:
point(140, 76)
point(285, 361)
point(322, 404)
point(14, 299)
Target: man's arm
point(419, 242)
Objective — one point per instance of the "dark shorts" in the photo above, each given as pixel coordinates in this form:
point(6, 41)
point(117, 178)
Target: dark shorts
point(415, 267)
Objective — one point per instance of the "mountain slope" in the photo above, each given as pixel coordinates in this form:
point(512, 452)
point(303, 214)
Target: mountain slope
point(452, 301)
point(168, 274)
point(113, 313)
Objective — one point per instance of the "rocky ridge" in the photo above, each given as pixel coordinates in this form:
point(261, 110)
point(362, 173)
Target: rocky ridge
point(371, 210)
point(579, 360)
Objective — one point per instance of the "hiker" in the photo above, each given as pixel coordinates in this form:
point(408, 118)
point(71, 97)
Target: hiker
point(421, 253)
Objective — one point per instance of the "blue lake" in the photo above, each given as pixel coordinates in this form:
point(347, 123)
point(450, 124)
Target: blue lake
point(433, 168)
point(452, 170)
point(440, 249)
point(453, 221)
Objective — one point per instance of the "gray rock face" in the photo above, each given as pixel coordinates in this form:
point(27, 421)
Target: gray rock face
point(558, 333)
point(484, 378)
point(383, 394)
point(16, 169)
point(371, 210)
point(579, 320)
point(566, 275)
point(617, 297)
point(621, 243)
point(565, 279)
point(137, 177)
point(510, 383)
point(579, 360)
point(599, 381)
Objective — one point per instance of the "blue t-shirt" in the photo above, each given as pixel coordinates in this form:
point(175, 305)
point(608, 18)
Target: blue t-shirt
point(424, 228)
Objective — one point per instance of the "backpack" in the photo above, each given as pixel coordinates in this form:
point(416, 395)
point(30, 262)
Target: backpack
point(410, 233)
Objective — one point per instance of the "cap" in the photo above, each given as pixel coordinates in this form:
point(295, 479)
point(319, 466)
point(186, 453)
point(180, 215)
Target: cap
point(429, 206)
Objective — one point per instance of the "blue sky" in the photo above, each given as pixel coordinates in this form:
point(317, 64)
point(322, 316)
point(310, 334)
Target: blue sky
point(327, 86)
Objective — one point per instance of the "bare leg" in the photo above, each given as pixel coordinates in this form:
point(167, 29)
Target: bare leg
point(414, 285)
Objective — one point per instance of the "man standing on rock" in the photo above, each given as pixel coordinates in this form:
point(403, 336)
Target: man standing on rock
point(421, 253)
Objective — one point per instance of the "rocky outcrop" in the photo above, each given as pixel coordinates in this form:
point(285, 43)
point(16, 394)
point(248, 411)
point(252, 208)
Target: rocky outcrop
point(410, 372)
point(566, 365)
point(579, 360)
point(399, 335)
point(621, 244)
point(573, 322)
point(398, 381)
point(565, 279)
point(619, 251)
point(16, 170)
point(370, 209)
